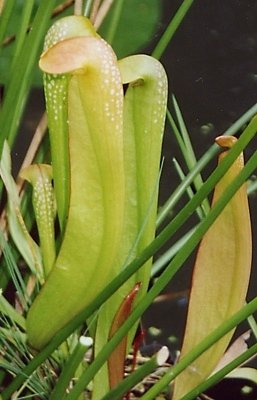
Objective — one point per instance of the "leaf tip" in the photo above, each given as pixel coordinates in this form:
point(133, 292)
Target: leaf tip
point(226, 141)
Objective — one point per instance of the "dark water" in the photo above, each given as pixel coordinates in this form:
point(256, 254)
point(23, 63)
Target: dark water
point(211, 62)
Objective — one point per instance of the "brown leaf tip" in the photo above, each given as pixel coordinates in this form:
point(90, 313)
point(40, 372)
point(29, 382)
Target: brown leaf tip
point(226, 141)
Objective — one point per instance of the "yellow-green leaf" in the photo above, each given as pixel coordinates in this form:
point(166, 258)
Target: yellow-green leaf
point(144, 115)
point(96, 175)
point(40, 176)
point(26, 245)
point(56, 89)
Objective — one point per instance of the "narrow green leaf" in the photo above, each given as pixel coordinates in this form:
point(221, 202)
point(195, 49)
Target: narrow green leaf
point(14, 273)
point(137, 377)
point(21, 33)
point(70, 368)
point(7, 309)
point(114, 19)
point(5, 16)
point(189, 189)
point(188, 151)
point(20, 84)
point(172, 28)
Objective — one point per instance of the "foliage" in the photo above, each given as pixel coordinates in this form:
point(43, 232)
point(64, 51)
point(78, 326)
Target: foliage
point(84, 250)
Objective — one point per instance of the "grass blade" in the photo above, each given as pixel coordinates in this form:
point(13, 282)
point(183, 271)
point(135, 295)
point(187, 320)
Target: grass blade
point(172, 28)
point(5, 17)
point(20, 84)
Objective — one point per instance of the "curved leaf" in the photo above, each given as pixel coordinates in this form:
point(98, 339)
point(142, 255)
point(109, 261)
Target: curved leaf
point(144, 116)
point(40, 176)
point(220, 278)
point(95, 217)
